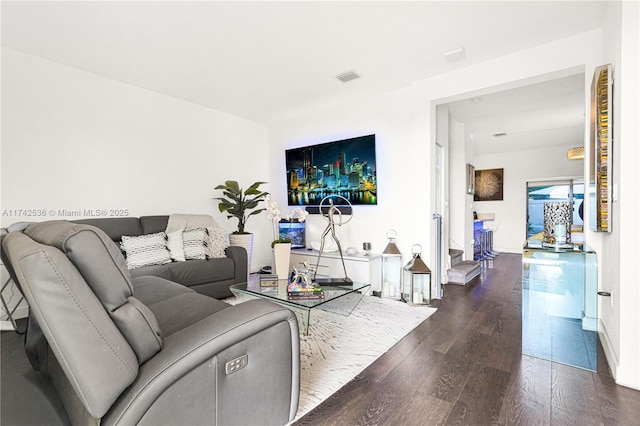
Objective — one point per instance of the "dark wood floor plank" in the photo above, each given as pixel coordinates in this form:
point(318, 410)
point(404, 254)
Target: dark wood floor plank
point(528, 397)
point(470, 345)
point(395, 356)
point(351, 398)
point(422, 409)
point(453, 374)
point(505, 345)
point(619, 405)
point(394, 392)
point(467, 349)
point(481, 399)
point(573, 390)
point(531, 381)
point(524, 413)
point(485, 320)
point(443, 338)
point(567, 418)
point(464, 365)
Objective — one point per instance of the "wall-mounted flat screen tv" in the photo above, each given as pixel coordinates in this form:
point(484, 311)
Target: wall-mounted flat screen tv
point(346, 168)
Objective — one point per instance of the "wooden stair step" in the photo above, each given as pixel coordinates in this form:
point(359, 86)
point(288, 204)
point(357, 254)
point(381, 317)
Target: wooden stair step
point(456, 256)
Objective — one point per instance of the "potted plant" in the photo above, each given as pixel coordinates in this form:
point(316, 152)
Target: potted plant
point(281, 244)
point(241, 205)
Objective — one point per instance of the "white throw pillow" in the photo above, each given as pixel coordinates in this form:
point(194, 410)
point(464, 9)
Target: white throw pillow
point(196, 243)
point(218, 241)
point(175, 244)
point(146, 250)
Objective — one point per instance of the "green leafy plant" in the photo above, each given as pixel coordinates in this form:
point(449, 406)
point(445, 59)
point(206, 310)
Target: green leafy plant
point(240, 204)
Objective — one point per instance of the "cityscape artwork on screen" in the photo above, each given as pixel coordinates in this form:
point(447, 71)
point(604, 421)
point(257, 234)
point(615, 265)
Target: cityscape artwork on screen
point(346, 168)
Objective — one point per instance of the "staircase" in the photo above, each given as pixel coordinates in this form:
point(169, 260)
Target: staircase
point(462, 271)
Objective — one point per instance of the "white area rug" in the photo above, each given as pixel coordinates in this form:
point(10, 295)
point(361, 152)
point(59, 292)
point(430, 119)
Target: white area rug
point(339, 347)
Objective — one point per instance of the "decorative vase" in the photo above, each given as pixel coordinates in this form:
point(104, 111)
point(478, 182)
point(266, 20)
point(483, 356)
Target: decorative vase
point(557, 223)
point(245, 241)
point(281, 255)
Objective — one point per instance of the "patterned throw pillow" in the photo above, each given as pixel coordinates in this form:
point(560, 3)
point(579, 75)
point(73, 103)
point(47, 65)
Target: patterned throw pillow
point(218, 241)
point(196, 244)
point(176, 246)
point(146, 250)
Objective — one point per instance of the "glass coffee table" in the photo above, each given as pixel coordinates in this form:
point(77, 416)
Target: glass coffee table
point(339, 299)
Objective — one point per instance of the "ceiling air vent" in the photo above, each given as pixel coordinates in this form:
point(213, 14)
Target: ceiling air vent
point(497, 135)
point(347, 76)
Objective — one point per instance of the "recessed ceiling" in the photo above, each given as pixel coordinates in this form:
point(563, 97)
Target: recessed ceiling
point(270, 61)
point(546, 114)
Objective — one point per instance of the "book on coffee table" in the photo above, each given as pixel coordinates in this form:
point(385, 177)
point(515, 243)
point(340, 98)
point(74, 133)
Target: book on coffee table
point(305, 295)
point(302, 291)
point(302, 288)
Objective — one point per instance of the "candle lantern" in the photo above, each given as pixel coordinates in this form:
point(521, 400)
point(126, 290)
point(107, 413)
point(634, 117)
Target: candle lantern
point(417, 280)
point(557, 224)
point(391, 269)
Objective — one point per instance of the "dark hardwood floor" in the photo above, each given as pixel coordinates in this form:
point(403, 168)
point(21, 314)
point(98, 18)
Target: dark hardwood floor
point(464, 366)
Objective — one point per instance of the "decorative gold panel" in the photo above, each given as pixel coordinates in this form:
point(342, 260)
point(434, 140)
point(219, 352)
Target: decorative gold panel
point(601, 146)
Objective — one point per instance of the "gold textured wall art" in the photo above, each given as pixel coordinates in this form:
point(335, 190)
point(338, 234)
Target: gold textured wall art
point(489, 185)
point(601, 139)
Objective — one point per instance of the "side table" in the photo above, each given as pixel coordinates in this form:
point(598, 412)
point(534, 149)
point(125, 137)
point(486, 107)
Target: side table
point(9, 295)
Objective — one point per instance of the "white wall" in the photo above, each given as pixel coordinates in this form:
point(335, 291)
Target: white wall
point(458, 233)
point(628, 132)
point(617, 251)
point(401, 194)
point(73, 141)
point(519, 168)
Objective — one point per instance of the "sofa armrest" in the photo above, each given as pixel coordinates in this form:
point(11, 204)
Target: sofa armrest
point(188, 382)
point(239, 256)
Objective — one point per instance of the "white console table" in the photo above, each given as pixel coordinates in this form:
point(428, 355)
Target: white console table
point(360, 268)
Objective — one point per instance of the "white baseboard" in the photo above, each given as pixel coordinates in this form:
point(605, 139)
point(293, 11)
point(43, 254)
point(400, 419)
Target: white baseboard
point(612, 357)
point(621, 375)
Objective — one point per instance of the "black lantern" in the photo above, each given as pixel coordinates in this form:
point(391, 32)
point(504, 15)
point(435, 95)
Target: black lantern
point(417, 280)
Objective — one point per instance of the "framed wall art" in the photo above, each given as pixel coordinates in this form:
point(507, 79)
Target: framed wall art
point(489, 185)
point(471, 179)
point(601, 144)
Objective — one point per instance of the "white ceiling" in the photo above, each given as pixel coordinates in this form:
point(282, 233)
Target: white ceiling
point(269, 61)
point(546, 114)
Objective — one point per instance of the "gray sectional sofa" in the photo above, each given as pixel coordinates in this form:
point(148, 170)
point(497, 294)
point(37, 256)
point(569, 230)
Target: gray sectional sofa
point(211, 276)
point(126, 350)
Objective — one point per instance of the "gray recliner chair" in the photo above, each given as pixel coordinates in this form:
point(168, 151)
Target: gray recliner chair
point(147, 350)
